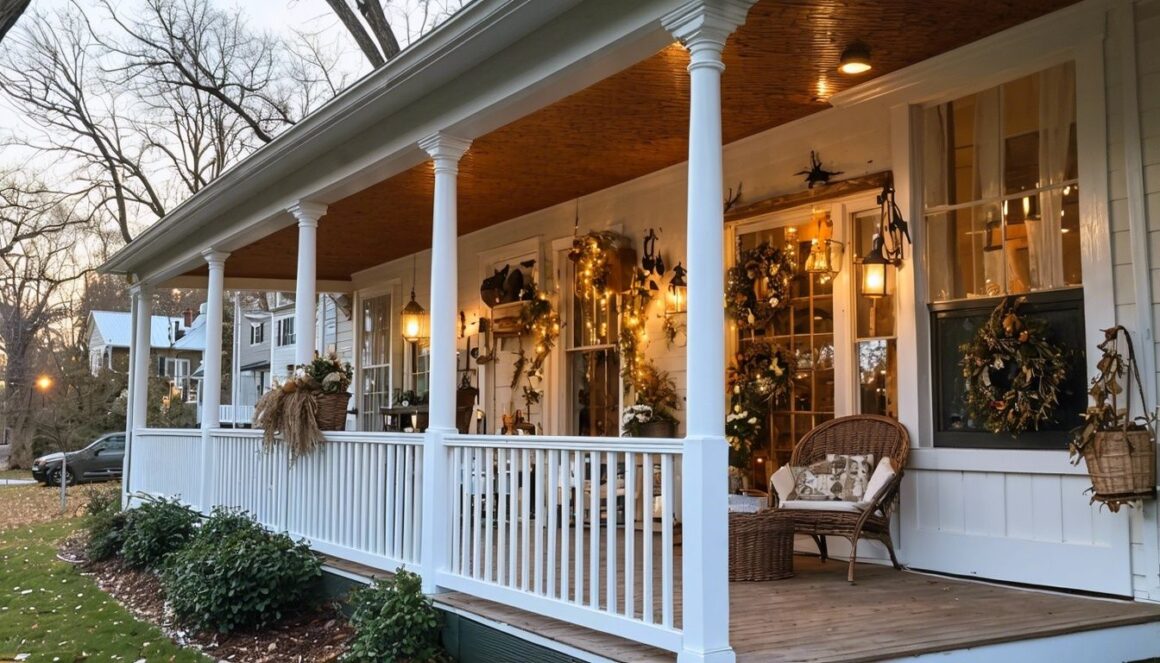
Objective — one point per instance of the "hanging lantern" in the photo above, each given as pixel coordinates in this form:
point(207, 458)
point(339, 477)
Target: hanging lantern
point(825, 258)
point(414, 321)
point(875, 271)
point(678, 291)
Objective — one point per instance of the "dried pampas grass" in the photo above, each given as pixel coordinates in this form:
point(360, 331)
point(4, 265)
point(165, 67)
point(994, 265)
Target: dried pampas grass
point(291, 411)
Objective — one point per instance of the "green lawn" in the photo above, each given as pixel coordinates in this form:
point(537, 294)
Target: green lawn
point(51, 612)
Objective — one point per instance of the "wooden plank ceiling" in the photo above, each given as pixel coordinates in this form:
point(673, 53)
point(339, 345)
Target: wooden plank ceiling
point(636, 122)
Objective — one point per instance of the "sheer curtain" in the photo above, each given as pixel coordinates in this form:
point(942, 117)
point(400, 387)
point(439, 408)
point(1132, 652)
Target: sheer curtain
point(940, 235)
point(986, 185)
point(1056, 114)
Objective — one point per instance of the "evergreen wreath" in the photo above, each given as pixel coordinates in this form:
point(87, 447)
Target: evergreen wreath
point(1014, 373)
point(760, 372)
point(757, 287)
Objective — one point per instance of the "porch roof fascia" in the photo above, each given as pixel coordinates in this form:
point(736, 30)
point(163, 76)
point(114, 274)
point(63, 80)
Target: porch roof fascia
point(443, 58)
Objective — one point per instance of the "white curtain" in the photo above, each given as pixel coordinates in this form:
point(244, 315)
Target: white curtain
point(1056, 114)
point(986, 184)
point(940, 236)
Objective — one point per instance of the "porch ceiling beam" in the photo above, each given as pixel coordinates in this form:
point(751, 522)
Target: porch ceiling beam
point(257, 284)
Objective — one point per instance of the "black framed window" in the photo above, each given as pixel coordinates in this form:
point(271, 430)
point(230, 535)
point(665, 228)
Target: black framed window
point(955, 323)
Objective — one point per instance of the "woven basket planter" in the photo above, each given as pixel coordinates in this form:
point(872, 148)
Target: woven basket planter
point(332, 411)
point(1122, 466)
point(760, 546)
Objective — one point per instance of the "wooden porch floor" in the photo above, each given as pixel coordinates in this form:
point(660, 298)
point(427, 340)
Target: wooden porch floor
point(818, 616)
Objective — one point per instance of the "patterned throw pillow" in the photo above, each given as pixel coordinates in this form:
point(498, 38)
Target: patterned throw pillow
point(816, 482)
point(851, 473)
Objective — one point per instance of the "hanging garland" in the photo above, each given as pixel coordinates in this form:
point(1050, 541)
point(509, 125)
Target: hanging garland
point(758, 286)
point(633, 339)
point(1014, 374)
point(591, 253)
point(539, 321)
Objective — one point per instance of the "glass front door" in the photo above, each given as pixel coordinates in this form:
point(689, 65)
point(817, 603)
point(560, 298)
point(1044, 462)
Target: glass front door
point(804, 329)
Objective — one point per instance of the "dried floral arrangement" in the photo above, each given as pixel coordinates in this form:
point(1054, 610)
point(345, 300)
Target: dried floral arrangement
point(291, 409)
point(1014, 372)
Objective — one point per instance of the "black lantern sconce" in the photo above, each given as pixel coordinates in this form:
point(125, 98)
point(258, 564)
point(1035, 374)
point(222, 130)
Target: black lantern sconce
point(886, 249)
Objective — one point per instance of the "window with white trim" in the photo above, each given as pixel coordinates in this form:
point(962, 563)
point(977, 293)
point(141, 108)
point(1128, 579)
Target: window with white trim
point(257, 333)
point(285, 331)
point(375, 360)
point(1001, 217)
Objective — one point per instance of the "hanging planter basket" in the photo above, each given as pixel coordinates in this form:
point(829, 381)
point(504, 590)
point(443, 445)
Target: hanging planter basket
point(1122, 466)
point(332, 411)
point(1119, 450)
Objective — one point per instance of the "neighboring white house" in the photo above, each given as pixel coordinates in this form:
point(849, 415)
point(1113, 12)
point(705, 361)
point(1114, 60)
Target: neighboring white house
point(1022, 145)
point(177, 344)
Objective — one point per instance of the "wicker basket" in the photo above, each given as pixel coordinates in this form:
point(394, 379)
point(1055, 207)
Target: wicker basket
point(332, 411)
point(760, 546)
point(1122, 466)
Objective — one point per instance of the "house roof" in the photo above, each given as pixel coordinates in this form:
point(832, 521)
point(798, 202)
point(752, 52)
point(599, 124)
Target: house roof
point(194, 338)
point(116, 328)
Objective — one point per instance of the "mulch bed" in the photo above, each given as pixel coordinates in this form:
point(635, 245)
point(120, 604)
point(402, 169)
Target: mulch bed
point(315, 636)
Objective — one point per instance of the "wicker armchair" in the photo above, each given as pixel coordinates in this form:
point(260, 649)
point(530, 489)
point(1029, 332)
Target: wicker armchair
point(858, 434)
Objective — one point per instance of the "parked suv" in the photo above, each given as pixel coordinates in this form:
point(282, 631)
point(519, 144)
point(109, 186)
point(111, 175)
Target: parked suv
point(100, 461)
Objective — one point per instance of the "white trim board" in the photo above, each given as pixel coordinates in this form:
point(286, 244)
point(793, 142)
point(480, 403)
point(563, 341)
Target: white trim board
point(1123, 643)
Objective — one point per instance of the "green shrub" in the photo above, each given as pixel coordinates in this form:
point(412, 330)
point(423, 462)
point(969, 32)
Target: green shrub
point(223, 522)
point(156, 529)
point(237, 575)
point(394, 621)
point(105, 523)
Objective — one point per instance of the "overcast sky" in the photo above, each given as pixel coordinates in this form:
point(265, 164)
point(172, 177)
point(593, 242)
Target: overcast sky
point(281, 16)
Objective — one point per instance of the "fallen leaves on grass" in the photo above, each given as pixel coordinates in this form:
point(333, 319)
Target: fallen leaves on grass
point(21, 506)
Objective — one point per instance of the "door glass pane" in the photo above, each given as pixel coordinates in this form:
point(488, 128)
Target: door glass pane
point(595, 391)
point(805, 329)
point(375, 361)
point(877, 371)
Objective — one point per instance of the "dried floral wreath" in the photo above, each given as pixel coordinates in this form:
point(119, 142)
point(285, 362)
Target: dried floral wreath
point(1014, 373)
point(758, 286)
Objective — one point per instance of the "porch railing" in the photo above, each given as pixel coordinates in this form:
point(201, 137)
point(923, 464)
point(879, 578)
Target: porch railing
point(166, 462)
point(236, 414)
point(581, 529)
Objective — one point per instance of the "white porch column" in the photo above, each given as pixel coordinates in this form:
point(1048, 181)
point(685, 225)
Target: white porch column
point(137, 408)
point(142, 337)
point(306, 291)
point(703, 26)
point(211, 386)
point(445, 153)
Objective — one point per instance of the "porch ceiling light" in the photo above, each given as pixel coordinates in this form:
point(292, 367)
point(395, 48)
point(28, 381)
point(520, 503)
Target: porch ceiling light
point(855, 59)
point(414, 317)
point(414, 321)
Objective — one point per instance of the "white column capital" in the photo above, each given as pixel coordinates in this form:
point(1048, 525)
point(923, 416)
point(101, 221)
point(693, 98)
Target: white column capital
point(215, 259)
point(140, 289)
point(307, 212)
point(446, 150)
point(705, 24)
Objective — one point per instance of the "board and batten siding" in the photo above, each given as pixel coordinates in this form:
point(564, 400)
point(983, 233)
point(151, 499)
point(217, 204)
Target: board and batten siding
point(1139, 161)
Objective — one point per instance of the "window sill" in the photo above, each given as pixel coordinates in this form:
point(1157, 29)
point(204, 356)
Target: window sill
point(1005, 461)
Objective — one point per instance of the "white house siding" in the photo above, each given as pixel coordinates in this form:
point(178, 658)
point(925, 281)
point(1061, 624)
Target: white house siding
point(854, 141)
point(1144, 528)
point(975, 507)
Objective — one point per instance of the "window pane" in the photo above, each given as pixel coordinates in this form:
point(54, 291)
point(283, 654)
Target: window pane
point(375, 360)
point(964, 250)
point(376, 394)
point(875, 315)
point(1039, 129)
point(877, 387)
